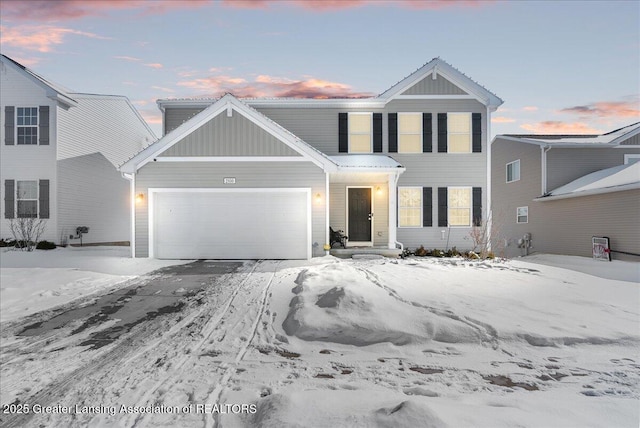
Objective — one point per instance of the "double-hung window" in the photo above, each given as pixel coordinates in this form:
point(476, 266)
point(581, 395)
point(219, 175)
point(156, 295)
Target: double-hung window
point(459, 206)
point(522, 215)
point(513, 171)
point(410, 206)
point(459, 132)
point(27, 199)
point(27, 125)
point(360, 131)
point(409, 132)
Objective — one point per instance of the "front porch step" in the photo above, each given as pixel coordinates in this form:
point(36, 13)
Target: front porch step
point(365, 252)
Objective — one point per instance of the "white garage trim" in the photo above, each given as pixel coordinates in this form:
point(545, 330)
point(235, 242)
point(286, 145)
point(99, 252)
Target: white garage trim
point(153, 191)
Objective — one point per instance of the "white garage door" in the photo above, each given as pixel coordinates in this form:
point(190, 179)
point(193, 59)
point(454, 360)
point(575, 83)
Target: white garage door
point(235, 224)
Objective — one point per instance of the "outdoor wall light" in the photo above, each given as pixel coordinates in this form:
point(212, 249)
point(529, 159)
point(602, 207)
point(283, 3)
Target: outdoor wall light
point(139, 198)
point(318, 197)
point(378, 190)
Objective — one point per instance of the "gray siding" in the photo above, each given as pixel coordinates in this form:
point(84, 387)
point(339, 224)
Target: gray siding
point(440, 86)
point(562, 226)
point(247, 174)
point(633, 141)
point(565, 165)
point(174, 117)
point(230, 136)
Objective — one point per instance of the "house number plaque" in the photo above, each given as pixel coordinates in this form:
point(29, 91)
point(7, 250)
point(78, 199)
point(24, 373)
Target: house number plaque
point(229, 180)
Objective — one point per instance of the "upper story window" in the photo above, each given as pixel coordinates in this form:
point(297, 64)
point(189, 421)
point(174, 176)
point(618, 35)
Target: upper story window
point(410, 206)
point(513, 171)
point(27, 199)
point(459, 132)
point(409, 132)
point(459, 206)
point(360, 132)
point(27, 125)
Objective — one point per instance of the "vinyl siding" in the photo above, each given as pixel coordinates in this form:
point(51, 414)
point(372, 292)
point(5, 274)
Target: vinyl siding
point(632, 141)
point(439, 86)
point(27, 162)
point(174, 117)
point(230, 136)
point(565, 165)
point(247, 174)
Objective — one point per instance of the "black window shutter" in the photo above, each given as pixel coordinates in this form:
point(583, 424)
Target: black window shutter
point(44, 125)
point(9, 126)
point(427, 133)
point(477, 206)
point(9, 198)
point(427, 207)
point(393, 132)
point(476, 132)
point(343, 132)
point(442, 132)
point(43, 196)
point(377, 132)
point(443, 220)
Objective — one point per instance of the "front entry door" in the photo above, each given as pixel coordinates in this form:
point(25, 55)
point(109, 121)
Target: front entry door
point(360, 215)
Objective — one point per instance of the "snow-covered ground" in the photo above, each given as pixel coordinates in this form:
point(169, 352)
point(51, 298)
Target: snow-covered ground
point(35, 281)
point(345, 343)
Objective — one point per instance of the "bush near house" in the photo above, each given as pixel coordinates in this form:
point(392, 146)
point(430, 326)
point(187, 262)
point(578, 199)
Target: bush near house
point(453, 252)
point(7, 243)
point(45, 245)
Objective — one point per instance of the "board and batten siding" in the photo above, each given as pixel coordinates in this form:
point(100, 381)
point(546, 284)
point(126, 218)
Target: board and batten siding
point(246, 174)
point(27, 162)
point(176, 116)
point(439, 86)
point(230, 136)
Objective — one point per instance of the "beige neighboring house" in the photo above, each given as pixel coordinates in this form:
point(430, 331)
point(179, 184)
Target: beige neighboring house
point(553, 193)
point(59, 155)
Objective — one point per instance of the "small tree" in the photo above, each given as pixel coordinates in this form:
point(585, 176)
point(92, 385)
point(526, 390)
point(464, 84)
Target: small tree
point(482, 234)
point(27, 231)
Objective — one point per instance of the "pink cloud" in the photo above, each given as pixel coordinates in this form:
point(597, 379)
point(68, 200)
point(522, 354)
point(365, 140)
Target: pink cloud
point(154, 65)
point(271, 86)
point(163, 89)
point(134, 59)
point(59, 10)
point(40, 38)
point(557, 127)
point(606, 109)
point(128, 58)
point(502, 119)
point(330, 5)
point(530, 108)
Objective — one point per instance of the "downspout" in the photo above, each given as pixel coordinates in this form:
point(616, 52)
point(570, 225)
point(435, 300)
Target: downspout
point(489, 208)
point(326, 207)
point(395, 184)
point(132, 189)
point(543, 184)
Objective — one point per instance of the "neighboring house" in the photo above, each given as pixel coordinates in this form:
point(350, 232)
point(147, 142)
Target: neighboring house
point(564, 189)
point(267, 178)
point(60, 151)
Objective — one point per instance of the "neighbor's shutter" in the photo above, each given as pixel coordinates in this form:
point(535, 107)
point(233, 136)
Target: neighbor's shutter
point(393, 132)
point(9, 126)
point(44, 125)
point(9, 198)
point(476, 132)
point(442, 132)
point(477, 206)
point(343, 133)
point(427, 133)
point(427, 207)
point(443, 221)
point(377, 132)
point(43, 196)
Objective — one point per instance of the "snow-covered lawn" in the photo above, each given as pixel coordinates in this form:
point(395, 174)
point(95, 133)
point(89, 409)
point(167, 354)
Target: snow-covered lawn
point(350, 343)
point(35, 281)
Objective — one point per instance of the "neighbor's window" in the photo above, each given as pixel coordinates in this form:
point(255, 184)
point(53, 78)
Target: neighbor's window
point(513, 171)
point(27, 125)
point(631, 158)
point(360, 125)
point(459, 206)
point(27, 197)
point(409, 132)
point(522, 214)
point(459, 132)
point(410, 206)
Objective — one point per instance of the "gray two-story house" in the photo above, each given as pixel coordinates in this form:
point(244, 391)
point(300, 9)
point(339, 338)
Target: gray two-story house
point(267, 178)
point(560, 191)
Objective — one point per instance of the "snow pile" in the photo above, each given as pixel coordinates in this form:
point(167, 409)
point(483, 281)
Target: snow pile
point(338, 303)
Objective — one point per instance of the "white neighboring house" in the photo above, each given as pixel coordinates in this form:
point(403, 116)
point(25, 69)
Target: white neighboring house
point(59, 156)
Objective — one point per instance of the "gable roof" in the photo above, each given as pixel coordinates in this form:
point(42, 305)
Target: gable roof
point(437, 67)
point(612, 138)
point(227, 104)
point(615, 179)
point(54, 91)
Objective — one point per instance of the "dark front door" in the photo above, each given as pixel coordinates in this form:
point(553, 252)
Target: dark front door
point(359, 214)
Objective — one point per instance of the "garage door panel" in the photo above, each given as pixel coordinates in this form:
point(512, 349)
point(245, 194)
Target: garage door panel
point(228, 225)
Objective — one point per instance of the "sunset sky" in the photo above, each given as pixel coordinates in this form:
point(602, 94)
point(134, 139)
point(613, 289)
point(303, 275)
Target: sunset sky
point(560, 67)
